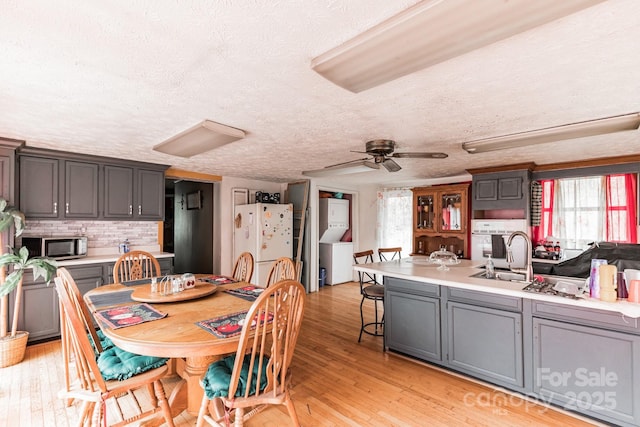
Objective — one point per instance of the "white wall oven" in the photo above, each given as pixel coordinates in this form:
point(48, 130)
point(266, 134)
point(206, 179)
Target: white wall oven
point(489, 236)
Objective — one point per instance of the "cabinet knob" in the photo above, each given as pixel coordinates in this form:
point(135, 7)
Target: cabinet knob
point(130, 209)
point(139, 209)
point(67, 207)
point(55, 207)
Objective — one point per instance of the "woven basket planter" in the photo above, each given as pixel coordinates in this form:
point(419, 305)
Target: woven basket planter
point(12, 348)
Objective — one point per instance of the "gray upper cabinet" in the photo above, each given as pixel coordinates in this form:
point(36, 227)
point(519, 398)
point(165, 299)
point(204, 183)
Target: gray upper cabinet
point(150, 194)
point(44, 195)
point(501, 190)
point(38, 189)
point(58, 185)
point(81, 190)
point(118, 192)
point(133, 193)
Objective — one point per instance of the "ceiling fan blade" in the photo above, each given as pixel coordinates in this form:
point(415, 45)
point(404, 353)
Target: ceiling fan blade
point(391, 165)
point(420, 155)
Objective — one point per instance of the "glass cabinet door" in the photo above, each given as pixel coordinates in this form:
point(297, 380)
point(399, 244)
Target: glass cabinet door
point(452, 215)
point(425, 214)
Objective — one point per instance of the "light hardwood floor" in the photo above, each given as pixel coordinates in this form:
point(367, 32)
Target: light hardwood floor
point(336, 382)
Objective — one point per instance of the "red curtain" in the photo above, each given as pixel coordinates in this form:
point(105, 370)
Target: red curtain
point(621, 208)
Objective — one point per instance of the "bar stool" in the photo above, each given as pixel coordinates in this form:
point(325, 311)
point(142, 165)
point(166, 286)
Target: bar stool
point(389, 254)
point(370, 289)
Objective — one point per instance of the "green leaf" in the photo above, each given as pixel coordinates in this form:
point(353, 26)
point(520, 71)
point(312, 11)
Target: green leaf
point(42, 267)
point(11, 282)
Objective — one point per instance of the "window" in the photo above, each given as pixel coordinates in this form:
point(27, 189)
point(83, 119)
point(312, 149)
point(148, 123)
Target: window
point(578, 211)
point(395, 219)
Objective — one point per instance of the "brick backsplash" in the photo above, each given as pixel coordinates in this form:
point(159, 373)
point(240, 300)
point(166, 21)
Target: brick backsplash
point(100, 234)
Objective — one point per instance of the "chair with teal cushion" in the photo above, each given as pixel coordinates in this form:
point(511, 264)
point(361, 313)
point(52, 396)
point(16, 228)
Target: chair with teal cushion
point(102, 374)
point(117, 364)
point(265, 351)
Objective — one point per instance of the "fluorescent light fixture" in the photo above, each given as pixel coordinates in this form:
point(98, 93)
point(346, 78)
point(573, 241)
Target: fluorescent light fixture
point(556, 133)
point(431, 32)
point(355, 167)
point(200, 138)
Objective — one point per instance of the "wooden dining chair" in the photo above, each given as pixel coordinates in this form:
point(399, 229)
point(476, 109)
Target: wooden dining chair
point(263, 358)
point(135, 265)
point(389, 254)
point(91, 385)
point(371, 290)
point(243, 267)
point(282, 269)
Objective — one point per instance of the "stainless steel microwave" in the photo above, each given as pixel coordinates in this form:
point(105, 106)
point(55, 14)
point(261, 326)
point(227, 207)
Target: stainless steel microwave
point(59, 248)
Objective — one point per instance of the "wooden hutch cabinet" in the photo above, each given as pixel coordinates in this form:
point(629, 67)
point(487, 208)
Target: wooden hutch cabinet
point(440, 218)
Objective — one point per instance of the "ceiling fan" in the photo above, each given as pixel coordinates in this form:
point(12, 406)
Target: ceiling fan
point(382, 151)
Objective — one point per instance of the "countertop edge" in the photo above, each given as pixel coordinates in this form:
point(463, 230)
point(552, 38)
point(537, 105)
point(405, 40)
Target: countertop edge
point(458, 276)
point(105, 258)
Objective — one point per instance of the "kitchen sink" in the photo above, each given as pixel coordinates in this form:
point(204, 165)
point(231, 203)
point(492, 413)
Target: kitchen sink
point(569, 287)
point(501, 275)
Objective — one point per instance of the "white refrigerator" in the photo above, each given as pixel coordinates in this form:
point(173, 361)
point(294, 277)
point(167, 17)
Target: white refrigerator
point(266, 231)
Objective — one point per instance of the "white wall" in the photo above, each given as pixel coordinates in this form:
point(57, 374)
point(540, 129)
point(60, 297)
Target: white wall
point(224, 212)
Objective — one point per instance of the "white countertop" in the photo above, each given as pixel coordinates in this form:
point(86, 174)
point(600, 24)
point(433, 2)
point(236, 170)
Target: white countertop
point(458, 276)
point(100, 258)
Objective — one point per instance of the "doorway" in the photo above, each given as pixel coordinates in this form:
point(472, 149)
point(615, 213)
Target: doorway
point(188, 226)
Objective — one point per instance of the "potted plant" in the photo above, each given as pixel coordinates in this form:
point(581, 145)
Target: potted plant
point(13, 344)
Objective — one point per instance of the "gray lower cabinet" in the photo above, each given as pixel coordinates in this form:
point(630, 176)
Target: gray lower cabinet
point(39, 313)
point(412, 318)
point(486, 343)
point(412, 324)
point(589, 370)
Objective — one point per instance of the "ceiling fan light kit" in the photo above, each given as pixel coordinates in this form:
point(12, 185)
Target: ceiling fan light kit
point(430, 32)
point(203, 137)
point(381, 151)
point(602, 126)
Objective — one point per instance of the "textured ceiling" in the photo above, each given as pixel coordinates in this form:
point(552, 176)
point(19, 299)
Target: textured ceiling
point(116, 78)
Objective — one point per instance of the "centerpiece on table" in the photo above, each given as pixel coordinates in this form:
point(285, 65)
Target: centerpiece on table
point(13, 342)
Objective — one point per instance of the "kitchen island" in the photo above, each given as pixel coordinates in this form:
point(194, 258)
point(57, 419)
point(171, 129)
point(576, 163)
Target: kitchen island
point(580, 354)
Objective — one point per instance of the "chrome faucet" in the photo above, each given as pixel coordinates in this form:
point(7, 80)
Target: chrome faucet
point(528, 270)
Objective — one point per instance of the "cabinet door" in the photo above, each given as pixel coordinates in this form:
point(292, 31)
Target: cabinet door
point(412, 325)
point(81, 190)
point(39, 187)
point(118, 192)
point(510, 188)
point(424, 205)
point(453, 215)
point(39, 314)
point(150, 195)
point(486, 343)
point(485, 189)
point(589, 370)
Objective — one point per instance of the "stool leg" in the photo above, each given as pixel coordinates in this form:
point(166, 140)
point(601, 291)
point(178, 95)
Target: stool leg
point(361, 320)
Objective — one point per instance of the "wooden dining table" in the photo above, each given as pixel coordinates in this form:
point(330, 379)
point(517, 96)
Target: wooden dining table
point(177, 335)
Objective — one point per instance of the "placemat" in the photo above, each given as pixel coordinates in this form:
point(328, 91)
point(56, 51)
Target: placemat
point(119, 317)
point(219, 280)
point(228, 325)
point(249, 293)
point(111, 298)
